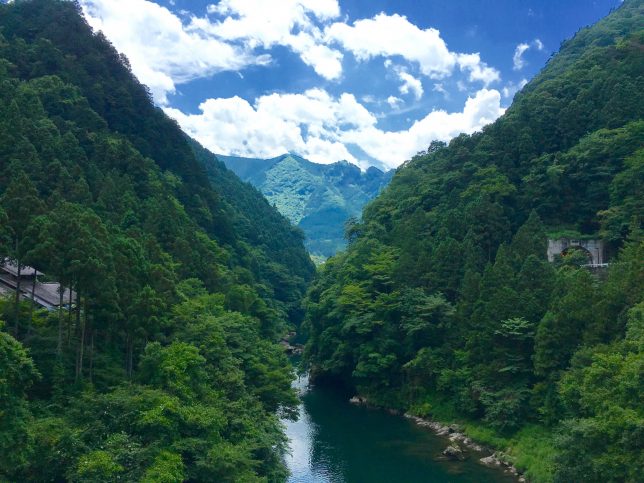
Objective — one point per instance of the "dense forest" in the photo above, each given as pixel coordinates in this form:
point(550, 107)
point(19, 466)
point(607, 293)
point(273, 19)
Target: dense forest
point(165, 366)
point(445, 305)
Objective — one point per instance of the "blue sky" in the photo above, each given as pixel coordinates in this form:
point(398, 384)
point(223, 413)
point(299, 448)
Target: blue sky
point(370, 81)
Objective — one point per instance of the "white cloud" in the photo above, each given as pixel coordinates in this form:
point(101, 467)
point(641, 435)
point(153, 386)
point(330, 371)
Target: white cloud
point(325, 61)
point(389, 35)
point(161, 50)
point(395, 102)
point(410, 85)
point(266, 24)
point(307, 123)
point(478, 70)
point(392, 148)
point(518, 60)
point(167, 49)
point(438, 87)
point(322, 127)
point(511, 88)
point(393, 35)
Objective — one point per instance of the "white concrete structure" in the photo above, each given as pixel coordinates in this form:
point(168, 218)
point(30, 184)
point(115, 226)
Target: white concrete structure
point(594, 249)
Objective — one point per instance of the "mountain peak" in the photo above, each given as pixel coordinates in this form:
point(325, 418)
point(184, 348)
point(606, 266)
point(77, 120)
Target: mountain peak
point(318, 198)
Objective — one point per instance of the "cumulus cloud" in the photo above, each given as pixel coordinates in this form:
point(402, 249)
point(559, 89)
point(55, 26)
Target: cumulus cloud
point(518, 60)
point(410, 85)
point(392, 148)
point(308, 123)
point(393, 35)
point(266, 24)
point(161, 50)
point(166, 49)
point(322, 127)
point(389, 35)
point(394, 102)
point(477, 69)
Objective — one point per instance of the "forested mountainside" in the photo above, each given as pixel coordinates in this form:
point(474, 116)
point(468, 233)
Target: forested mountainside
point(165, 366)
point(445, 305)
point(318, 198)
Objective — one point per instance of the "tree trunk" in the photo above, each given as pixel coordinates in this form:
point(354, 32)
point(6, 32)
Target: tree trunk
point(81, 350)
point(78, 306)
point(59, 349)
point(33, 302)
point(69, 317)
point(129, 355)
point(17, 306)
point(91, 356)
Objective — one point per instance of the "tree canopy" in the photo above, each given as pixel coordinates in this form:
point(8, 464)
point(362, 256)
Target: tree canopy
point(445, 297)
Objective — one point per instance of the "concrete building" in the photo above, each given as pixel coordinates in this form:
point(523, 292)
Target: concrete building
point(593, 249)
point(45, 294)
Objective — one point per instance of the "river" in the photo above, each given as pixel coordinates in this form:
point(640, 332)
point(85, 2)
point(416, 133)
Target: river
point(334, 441)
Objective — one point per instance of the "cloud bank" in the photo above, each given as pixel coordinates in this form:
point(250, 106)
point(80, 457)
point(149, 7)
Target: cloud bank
point(168, 48)
point(320, 127)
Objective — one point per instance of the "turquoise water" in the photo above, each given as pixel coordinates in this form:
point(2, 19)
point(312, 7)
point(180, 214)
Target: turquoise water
point(336, 442)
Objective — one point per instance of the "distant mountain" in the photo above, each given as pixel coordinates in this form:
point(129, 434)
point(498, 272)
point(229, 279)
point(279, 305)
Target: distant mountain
point(318, 198)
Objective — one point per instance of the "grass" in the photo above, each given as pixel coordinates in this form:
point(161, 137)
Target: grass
point(573, 234)
point(533, 451)
point(531, 448)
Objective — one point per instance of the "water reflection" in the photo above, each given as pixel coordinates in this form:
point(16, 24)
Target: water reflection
point(336, 442)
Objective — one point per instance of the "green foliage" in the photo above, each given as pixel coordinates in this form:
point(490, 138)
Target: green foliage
point(167, 468)
point(166, 366)
point(444, 303)
point(17, 374)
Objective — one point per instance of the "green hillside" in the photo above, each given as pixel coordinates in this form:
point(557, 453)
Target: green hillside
point(166, 365)
point(444, 304)
point(319, 198)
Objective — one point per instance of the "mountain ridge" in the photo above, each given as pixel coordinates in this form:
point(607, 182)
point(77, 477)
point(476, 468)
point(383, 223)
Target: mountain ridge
point(319, 198)
point(166, 363)
point(446, 306)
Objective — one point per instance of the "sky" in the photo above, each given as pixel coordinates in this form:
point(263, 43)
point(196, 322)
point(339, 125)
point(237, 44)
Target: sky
point(372, 82)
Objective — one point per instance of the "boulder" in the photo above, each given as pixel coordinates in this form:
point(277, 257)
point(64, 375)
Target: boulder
point(491, 461)
point(454, 452)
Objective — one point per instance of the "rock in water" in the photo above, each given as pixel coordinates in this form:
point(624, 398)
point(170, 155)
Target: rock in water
point(491, 461)
point(454, 452)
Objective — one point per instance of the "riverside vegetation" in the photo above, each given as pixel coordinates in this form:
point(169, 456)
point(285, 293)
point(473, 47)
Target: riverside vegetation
point(445, 306)
point(167, 367)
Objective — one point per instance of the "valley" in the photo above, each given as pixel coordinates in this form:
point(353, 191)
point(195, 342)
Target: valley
point(169, 314)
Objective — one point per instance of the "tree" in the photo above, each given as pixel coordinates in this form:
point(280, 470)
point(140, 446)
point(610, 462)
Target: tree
point(560, 331)
point(21, 205)
point(18, 375)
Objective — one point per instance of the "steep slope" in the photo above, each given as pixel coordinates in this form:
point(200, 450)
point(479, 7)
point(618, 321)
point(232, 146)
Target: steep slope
point(445, 304)
point(164, 366)
point(319, 198)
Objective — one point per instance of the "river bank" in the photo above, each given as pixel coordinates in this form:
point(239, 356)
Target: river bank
point(458, 444)
point(334, 441)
